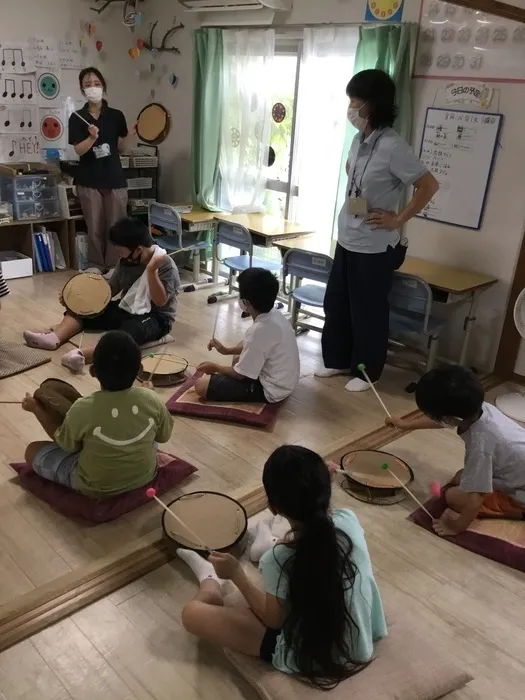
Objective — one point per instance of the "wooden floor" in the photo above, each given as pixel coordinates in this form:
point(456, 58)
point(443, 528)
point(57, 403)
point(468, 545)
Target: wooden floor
point(130, 646)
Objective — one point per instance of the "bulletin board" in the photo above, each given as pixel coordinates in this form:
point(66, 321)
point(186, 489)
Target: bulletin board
point(458, 42)
point(38, 85)
point(459, 149)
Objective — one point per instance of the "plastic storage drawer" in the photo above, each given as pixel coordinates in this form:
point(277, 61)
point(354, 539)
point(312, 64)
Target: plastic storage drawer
point(36, 210)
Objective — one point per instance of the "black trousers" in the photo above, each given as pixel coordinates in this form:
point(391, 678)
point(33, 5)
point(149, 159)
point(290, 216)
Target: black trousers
point(357, 312)
point(143, 329)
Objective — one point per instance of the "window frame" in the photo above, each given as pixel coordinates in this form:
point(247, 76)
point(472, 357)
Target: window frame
point(287, 45)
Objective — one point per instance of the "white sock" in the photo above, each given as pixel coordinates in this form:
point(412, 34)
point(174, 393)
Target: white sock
point(264, 540)
point(357, 384)
point(202, 569)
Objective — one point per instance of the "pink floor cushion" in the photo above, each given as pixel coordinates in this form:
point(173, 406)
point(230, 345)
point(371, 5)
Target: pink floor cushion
point(495, 538)
point(171, 472)
point(186, 402)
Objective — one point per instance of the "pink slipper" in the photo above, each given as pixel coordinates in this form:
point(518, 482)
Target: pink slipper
point(43, 341)
point(74, 360)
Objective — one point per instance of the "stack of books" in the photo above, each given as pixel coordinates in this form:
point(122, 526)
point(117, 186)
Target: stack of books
point(48, 251)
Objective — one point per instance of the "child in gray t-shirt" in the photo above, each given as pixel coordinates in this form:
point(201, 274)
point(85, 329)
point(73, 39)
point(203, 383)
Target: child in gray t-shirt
point(139, 257)
point(492, 481)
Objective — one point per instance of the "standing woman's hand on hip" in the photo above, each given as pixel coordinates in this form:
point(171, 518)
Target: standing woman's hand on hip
point(93, 131)
point(379, 218)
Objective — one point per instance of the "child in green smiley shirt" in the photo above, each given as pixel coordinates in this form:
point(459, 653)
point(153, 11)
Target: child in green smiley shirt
point(106, 444)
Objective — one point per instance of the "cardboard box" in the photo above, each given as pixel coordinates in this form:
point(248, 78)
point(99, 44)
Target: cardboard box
point(15, 264)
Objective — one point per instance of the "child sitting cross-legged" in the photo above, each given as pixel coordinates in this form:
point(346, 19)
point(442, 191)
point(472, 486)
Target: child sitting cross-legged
point(266, 365)
point(492, 481)
point(106, 444)
point(149, 282)
point(319, 612)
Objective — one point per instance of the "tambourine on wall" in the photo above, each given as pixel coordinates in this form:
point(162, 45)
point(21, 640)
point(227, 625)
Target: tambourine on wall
point(153, 124)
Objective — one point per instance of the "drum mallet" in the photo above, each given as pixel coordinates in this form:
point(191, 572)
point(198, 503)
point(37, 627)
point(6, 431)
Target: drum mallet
point(151, 493)
point(386, 468)
point(362, 369)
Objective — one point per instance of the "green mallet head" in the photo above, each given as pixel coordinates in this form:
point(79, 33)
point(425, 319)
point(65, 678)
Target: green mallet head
point(151, 354)
point(361, 367)
point(384, 467)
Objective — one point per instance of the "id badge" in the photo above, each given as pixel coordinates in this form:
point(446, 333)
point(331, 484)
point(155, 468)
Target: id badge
point(357, 206)
point(102, 151)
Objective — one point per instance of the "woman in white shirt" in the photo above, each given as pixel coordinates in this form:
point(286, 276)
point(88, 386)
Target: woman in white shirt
point(381, 165)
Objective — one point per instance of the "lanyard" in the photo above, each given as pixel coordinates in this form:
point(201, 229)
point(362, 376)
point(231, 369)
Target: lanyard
point(353, 183)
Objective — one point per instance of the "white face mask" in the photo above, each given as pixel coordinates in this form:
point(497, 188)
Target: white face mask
point(242, 304)
point(450, 422)
point(94, 94)
point(358, 122)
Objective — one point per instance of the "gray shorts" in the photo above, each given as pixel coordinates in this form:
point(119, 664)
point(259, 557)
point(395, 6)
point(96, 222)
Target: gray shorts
point(55, 464)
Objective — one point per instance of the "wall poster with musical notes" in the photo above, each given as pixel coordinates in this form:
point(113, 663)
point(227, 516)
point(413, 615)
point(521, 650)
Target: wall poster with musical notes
point(17, 89)
point(17, 148)
point(15, 57)
point(18, 119)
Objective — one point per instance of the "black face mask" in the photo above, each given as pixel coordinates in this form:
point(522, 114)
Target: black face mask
point(130, 261)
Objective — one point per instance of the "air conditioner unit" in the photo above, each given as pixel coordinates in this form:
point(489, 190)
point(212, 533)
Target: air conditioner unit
point(236, 5)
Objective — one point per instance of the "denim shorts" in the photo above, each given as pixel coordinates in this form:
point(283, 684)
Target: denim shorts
point(55, 464)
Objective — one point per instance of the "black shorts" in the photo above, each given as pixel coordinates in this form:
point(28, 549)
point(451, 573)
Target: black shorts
point(268, 645)
point(145, 328)
point(228, 389)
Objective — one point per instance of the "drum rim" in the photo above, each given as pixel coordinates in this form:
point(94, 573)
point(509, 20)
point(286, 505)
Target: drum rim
point(90, 275)
point(205, 492)
point(378, 488)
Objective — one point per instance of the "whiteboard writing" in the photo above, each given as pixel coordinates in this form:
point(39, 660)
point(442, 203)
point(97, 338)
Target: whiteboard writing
point(458, 148)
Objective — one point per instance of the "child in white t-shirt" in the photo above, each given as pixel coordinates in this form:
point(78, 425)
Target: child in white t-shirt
point(266, 365)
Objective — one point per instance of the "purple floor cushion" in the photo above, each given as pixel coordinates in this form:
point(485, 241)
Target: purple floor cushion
point(171, 472)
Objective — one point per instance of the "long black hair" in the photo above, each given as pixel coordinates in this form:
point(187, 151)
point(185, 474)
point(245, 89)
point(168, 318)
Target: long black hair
point(320, 570)
point(377, 89)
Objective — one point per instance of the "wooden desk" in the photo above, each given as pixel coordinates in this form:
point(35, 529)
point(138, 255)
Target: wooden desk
point(198, 219)
point(266, 230)
point(450, 285)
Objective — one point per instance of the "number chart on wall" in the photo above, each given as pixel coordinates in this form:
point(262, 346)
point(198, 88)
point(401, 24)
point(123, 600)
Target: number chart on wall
point(458, 42)
point(459, 149)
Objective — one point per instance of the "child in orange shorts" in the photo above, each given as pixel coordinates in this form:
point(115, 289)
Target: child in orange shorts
point(492, 481)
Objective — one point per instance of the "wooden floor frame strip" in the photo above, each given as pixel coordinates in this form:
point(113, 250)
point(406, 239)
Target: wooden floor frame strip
point(32, 612)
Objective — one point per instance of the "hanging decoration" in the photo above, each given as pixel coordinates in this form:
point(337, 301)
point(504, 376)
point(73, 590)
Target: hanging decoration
point(134, 53)
point(151, 67)
point(163, 48)
point(140, 44)
point(278, 112)
point(131, 16)
point(99, 46)
point(173, 80)
point(235, 136)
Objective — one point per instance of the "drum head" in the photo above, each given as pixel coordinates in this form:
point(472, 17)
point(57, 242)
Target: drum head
point(220, 521)
point(57, 395)
point(171, 370)
point(86, 294)
point(366, 481)
point(153, 124)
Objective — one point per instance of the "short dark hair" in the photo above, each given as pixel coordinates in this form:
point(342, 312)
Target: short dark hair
point(130, 233)
point(94, 71)
point(450, 391)
point(116, 361)
point(378, 90)
point(259, 287)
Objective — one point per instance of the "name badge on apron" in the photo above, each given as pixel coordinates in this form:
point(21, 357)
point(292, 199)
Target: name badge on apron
point(102, 151)
point(357, 206)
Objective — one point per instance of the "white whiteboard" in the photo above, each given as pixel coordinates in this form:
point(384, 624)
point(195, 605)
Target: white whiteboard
point(459, 149)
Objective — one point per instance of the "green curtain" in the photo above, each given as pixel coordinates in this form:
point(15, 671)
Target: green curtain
point(391, 48)
point(207, 114)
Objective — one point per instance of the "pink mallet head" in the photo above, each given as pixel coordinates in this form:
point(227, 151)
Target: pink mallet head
point(435, 489)
point(151, 493)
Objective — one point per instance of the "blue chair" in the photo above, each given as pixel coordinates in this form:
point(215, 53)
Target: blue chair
point(239, 237)
point(299, 265)
point(168, 218)
point(411, 302)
